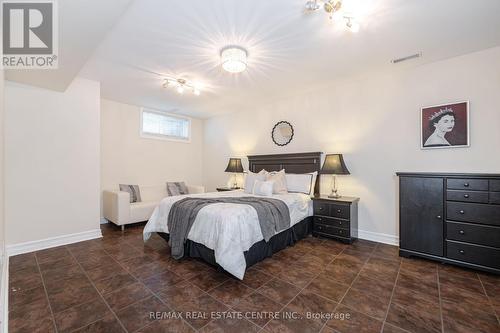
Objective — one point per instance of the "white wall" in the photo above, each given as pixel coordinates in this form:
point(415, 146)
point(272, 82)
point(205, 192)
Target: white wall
point(52, 161)
point(374, 121)
point(127, 158)
point(4, 288)
point(2, 210)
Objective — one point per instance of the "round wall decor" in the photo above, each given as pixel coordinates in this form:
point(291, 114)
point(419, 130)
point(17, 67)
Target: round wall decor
point(282, 133)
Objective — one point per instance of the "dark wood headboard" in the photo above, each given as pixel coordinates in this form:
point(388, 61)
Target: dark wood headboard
point(292, 163)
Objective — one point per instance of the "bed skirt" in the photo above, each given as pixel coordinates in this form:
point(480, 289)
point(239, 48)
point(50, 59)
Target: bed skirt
point(259, 251)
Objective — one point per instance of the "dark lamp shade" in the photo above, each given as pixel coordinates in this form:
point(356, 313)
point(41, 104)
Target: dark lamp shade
point(234, 166)
point(334, 164)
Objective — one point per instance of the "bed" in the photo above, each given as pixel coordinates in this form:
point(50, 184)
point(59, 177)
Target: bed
point(228, 235)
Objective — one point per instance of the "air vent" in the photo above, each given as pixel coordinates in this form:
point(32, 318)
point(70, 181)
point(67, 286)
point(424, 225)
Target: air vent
point(413, 56)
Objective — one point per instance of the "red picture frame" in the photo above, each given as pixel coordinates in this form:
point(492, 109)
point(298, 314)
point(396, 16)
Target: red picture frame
point(445, 126)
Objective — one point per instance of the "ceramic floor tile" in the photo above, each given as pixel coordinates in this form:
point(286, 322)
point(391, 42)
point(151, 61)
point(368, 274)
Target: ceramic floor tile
point(74, 286)
point(279, 291)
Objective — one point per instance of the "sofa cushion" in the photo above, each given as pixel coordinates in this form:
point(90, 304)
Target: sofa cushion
point(133, 190)
point(142, 211)
point(177, 188)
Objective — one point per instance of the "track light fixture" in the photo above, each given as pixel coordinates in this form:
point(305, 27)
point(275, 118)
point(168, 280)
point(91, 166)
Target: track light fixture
point(332, 7)
point(181, 85)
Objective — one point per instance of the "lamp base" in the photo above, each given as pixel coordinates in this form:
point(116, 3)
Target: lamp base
point(334, 194)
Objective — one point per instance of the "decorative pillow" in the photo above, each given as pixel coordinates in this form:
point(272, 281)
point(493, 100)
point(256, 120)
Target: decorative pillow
point(177, 188)
point(264, 188)
point(301, 183)
point(251, 177)
point(313, 187)
point(133, 190)
point(279, 181)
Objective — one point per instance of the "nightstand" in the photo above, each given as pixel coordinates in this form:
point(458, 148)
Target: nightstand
point(336, 218)
point(224, 189)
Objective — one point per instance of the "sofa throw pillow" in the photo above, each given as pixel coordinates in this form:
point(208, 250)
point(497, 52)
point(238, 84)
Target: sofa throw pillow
point(251, 177)
point(133, 190)
point(263, 188)
point(177, 188)
point(279, 179)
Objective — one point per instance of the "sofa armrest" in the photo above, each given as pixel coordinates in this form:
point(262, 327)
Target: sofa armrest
point(116, 206)
point(195, 189)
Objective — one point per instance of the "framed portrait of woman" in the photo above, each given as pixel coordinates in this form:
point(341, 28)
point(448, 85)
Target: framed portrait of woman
point(445, 126)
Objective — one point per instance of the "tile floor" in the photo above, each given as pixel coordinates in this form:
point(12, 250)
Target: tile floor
point(114, 284)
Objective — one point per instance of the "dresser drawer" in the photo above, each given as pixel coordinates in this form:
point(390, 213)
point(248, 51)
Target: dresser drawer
point(467, 196)
point(476, 254)
point(325, 208)
point(330, 231)
point(467, 184)
point(473, 213)
point(340, 211)
point(331, 221)
point(495, 185)
point(473, 233)
point(321, 208)
point(495, 198)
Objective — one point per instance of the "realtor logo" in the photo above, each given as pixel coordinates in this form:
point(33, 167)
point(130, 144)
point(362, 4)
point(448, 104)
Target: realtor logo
point(29, 34)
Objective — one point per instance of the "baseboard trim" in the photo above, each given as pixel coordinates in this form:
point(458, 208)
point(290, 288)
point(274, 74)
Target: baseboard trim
point(42, 244)
point(378, 237)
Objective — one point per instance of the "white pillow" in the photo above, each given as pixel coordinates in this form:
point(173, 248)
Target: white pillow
point(264, 188)
point(251, 177)
point(301, 183)
point(279, 181)
point(313, 187)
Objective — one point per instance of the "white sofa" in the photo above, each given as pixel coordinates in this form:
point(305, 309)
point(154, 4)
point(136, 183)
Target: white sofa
point(118, 209)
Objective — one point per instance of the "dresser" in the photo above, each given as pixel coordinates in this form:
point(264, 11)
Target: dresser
point(453, 218)
point(336, 218)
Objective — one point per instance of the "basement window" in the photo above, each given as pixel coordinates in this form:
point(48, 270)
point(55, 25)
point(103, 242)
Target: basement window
point(164, 126)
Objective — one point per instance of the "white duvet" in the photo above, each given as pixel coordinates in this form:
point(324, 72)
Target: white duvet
point(228, 229)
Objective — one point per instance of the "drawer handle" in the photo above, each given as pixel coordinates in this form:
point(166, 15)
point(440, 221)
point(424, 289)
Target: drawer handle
point(320, 227)
point(466, 196)
point(461, 232)
point(341, 232)
point(320, 208)
point(339, 211)
point(461, 251)
point(466, 184)
point(462, 212)
point(340, 222)
point(439, 217)
point(320, 219)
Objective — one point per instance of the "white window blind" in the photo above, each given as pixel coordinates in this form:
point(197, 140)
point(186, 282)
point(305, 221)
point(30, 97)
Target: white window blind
point(165, 126)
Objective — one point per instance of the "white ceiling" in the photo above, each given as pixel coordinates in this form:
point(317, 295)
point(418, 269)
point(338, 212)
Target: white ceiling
point(288, 50)
point(82, 26)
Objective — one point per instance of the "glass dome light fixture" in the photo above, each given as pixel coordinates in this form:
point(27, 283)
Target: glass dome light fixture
point(234, 59)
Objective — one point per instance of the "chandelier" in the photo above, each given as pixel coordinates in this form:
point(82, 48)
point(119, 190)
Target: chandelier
point(332, 7)
point(181, 85)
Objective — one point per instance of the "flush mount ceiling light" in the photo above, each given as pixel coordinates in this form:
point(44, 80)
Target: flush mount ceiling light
point(234, 59)
point(332, 7)
point(181, 85)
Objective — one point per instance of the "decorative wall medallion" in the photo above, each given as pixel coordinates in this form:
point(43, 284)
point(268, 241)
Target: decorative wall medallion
point(282, 133)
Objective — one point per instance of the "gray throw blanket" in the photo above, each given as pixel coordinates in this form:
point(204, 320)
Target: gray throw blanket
point(273, 215)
